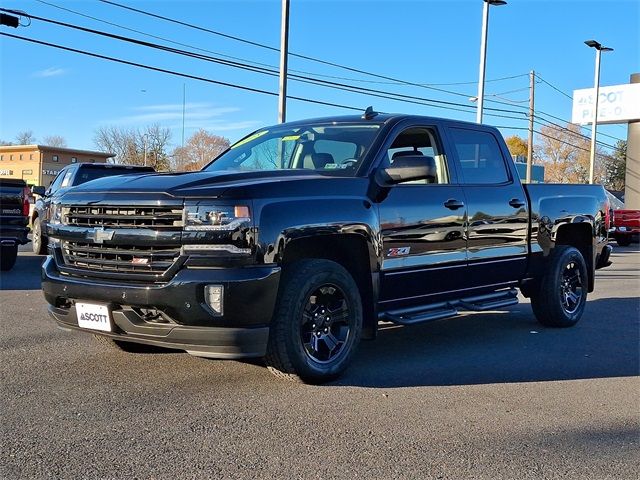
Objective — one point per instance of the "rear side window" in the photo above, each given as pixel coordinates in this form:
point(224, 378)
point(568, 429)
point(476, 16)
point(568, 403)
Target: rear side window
point(480, 157)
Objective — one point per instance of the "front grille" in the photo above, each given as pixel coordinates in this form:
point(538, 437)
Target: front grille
point(153, 217)
point(134, 260)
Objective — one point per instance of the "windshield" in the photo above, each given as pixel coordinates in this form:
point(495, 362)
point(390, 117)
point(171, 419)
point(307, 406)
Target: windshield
point(87, 174)
point(337, 149)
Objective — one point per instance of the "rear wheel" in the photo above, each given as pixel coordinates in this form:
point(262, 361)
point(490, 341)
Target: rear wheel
point(562, 295)
point(8, 256)
point(317, 322)
point(38, 240)
point(623, 240)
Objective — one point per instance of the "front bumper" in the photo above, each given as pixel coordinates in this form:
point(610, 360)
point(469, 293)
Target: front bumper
point(185, 321)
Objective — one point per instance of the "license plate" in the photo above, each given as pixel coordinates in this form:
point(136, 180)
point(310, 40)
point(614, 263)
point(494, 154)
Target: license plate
point(94, 317)
point(622, 229)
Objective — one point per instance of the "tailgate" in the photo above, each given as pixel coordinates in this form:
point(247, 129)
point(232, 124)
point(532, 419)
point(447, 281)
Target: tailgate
point(11, 197)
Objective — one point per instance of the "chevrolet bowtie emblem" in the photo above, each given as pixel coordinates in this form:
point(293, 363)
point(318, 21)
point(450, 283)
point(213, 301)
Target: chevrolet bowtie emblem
point(99, 235)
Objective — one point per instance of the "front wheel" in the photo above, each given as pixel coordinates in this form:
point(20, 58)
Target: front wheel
point(562, 295)
point(38, 240)
point(317, 322)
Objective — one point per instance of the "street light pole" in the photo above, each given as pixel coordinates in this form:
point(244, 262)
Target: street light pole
point(284, 50)
point(483, 53)
point(594, 125)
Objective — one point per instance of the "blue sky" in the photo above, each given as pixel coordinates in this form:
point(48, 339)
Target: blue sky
point(54, 92)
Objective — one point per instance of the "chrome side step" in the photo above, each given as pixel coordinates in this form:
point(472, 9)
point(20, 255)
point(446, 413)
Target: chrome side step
point(438, 311)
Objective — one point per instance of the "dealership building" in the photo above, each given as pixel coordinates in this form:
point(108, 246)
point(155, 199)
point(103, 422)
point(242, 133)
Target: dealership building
point(39, 164)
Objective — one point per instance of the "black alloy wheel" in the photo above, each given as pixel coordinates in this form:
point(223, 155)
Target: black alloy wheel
point(571, 288)
point(561, 296)
point(317, 322)
point(325, 324)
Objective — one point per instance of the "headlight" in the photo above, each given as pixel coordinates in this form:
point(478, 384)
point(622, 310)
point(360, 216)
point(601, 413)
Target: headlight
point(217, 218)
point(55, 213)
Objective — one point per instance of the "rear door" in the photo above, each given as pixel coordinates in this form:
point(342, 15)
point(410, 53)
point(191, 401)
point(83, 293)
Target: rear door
point(422, 224)
point(498, 218)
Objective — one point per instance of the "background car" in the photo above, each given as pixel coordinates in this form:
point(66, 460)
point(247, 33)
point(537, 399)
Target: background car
point(69, 177)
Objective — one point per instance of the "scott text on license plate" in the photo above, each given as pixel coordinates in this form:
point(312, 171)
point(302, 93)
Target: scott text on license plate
point(95, 317)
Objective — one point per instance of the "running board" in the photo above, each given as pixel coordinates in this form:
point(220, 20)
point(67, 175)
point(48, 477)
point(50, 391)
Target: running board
point(438, 311)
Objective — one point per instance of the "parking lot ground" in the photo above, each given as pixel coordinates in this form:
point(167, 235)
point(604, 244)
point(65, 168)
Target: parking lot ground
point(491, 395)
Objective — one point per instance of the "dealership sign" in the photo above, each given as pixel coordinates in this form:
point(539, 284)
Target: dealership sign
point(616, 104)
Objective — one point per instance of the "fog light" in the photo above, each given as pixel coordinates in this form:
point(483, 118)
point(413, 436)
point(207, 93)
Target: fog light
point(213, 297)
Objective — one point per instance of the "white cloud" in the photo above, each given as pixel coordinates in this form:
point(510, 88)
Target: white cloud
point(199, 112)
point(50, 72)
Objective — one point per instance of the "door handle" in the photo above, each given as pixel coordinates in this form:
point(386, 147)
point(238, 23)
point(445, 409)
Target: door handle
point(453, 204)
point(516, 203)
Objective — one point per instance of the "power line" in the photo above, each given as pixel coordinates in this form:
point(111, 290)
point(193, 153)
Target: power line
point(394, 82)
point(172, 72)
point(269, 47)
point(567, 121)
point(554, 87)
point(340, 86)
point(75, 12)
point(577, 134)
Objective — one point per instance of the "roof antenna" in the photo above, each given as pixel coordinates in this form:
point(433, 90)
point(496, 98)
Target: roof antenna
point(369, 113)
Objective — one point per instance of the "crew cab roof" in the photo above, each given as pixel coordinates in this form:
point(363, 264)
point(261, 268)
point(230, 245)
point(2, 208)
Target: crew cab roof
point(380, 118)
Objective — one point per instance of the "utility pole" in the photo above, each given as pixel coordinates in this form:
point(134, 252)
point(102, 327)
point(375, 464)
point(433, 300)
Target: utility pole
point(284, 51)
point(532, 83)
point(144, 149)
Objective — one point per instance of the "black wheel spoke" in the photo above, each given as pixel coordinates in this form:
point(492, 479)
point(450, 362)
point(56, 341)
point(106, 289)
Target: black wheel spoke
point(325, 323)
point(330, 341)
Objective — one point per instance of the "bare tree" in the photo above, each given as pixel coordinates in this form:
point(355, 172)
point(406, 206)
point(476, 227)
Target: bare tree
point(155, 140)
point(4, 143)
point(200, 149)
point(565, 153)
point(54, 141)
point(25, 138)
point(129, 146)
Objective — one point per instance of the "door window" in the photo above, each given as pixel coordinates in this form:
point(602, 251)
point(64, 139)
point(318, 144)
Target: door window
point(418, 141)
point(480, 157)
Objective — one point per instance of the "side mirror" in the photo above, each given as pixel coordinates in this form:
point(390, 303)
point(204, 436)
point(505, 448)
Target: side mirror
point(406, 169)
point(39, 190)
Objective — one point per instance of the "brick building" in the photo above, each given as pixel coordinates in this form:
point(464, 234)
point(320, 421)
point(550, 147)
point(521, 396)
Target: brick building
point(39, 164)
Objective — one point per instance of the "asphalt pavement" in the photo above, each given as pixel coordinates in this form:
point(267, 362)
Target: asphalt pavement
point(492, 395)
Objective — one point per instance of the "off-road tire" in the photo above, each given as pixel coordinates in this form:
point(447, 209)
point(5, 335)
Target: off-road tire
point(549, 303)
point(286, 354)
point(38, 240)
point(623, 240)
point(8, 256)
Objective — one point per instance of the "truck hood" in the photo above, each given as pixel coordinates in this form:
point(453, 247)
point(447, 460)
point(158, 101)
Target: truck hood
point(192, 184)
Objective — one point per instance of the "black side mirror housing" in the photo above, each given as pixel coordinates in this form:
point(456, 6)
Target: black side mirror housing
point(39, 190)
point(408, 168)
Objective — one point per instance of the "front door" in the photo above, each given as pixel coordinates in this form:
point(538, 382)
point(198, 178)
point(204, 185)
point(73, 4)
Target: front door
point(422, 224)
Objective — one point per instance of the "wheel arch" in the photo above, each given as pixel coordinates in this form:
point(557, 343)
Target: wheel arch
point(353, 252)
point(579, 236)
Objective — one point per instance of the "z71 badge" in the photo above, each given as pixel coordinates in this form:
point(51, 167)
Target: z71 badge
point(398, 252)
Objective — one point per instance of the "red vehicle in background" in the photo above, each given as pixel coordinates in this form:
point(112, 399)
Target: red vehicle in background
point(626, 226)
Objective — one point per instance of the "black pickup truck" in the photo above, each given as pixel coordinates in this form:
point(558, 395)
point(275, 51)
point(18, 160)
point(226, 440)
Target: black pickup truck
point(299, 239)
point(14, 217)
point(69, 177)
